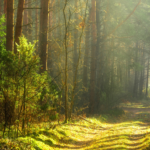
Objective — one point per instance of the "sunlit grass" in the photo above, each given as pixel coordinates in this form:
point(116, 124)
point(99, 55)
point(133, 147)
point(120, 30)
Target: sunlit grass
point(101, 132)
point(84, 135)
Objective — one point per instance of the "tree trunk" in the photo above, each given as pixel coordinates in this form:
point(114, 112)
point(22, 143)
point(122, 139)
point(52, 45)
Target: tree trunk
point(98, 53)
point(18, 28)
point(86, 61)
point(142, 74)
point(36, 30)
point(147, 77)
point(5, 8)
point(135, 88)
point(25, 20)
point(9, 26)
point(66, 63)
point(129, 80)
point(30, 23)
point(0, 9)
point(75, 54)
point(93, 61)
point(50, 60)
point(43, 34)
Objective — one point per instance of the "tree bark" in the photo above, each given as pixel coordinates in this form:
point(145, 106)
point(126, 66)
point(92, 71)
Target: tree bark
point(93, 61)
point(36, 30)
point(18, 28)
point(50, 22)
point(97, 56)
point(5, 8)
point(9, 26)
point(25, 20)
point(87, 51)
point(30, 20)
point(135, 88)
point(75, 54)
point(147, 78)
point(43, 34)
point(142, 74)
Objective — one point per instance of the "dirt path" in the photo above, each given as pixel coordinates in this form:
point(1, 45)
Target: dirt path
point(131, 132)
point(137, 111)
point(128, 132)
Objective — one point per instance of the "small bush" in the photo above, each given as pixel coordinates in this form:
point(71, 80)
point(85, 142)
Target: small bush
point(53, 117)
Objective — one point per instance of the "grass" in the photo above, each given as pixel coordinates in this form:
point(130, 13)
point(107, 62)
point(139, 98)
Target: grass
point(125, 133)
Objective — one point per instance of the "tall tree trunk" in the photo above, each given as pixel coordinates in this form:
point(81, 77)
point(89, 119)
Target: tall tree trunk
point(50, 60)
point(86, 61)
point(5, 8)
point(75, 59)
point(75, 53)
point(97, 56)
point(0, 9)
point(66, 63)
point(129, 80)
point(25, 20)
point(43, 34)
point(86, 55)
point(30, 23)
point(9, 26)
point(36, 30)
point(147, 77)
point(142, 74)
point(93, 61)
point(135, 88)
point(18, 28)
point(112, 66)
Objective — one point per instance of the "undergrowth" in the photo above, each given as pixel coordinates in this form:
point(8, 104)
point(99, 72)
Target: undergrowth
point(89, 134)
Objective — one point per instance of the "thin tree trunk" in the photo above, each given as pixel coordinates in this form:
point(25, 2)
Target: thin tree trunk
point(86, 55)
point(0, 9)
point(18, 28)
point(86, 62)
point(5, 8)
point(112, 66)
point(142, 74)
point(97, 56)
point(66, 63)
point(30, 23)
point(75, 54)
point(25, 20)
point(147, 77)
point(50, 60)
point(43, 34)
point(10, 26)
point(87, 50)
point(135, 88)
point(129, 80)
point(93, 69)
point(36, 30)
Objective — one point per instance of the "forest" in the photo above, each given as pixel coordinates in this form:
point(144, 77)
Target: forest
point(74, 74)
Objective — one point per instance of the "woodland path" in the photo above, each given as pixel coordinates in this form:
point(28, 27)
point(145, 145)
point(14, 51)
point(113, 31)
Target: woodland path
point(129, 132)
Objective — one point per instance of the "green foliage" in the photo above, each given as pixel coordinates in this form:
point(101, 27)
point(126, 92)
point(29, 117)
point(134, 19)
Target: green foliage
point(104, 118)
point(19, 77)
point(2, 29)
point(104, 97)
point(116, 112)
point(49, 95)
point(44, 106)
point(53, 117)
point(22, 82)
point(20, 70)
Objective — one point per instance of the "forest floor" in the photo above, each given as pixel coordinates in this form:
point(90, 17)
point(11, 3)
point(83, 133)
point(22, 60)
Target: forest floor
point(131, 131)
